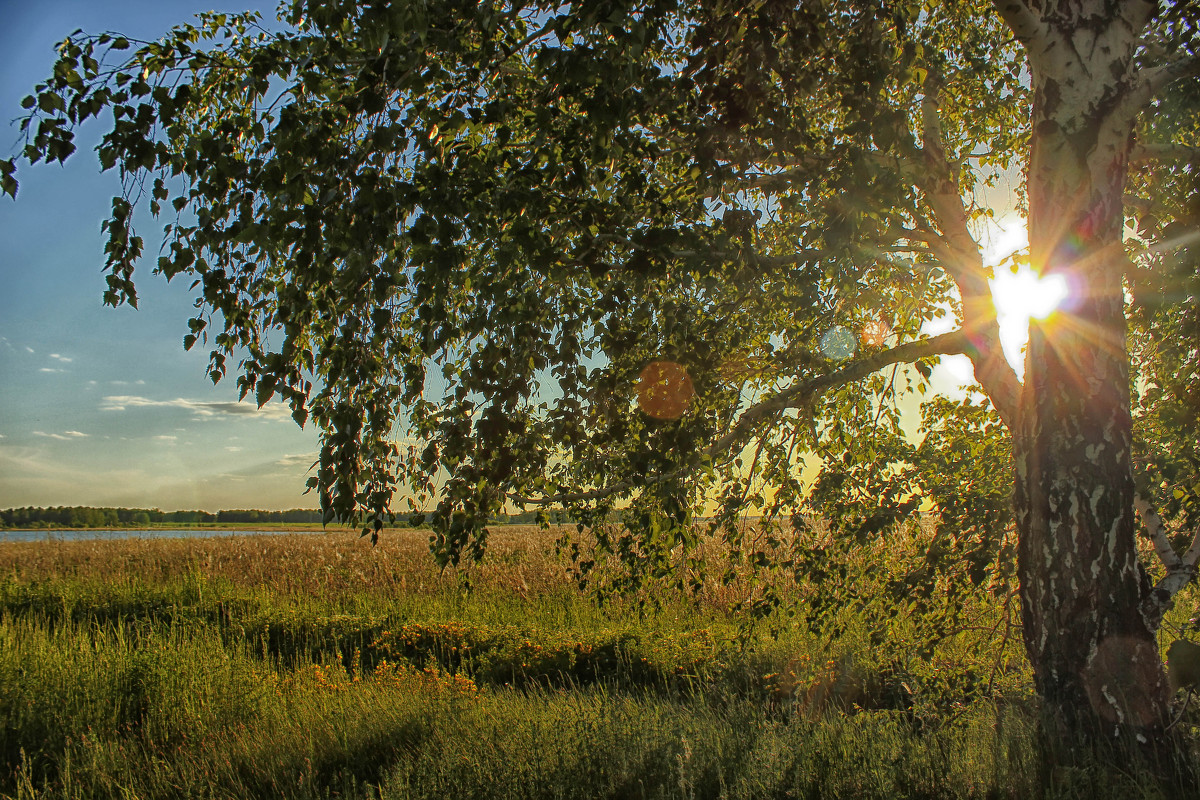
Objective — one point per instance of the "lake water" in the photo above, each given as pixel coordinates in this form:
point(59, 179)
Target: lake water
point(164, 533)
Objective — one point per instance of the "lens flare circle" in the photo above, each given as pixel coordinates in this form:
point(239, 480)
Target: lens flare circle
point(839, 343)
point(665, 390)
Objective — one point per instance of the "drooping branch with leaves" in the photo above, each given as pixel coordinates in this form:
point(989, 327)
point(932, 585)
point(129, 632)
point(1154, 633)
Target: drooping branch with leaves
point(463, 239)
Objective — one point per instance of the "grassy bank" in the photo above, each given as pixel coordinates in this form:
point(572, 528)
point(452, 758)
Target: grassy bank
point(304, 666)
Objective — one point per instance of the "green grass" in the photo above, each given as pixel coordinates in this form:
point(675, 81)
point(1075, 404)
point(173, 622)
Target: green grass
point(315, 667)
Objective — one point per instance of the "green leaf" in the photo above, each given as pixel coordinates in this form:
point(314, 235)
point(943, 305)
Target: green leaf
point(265, 390)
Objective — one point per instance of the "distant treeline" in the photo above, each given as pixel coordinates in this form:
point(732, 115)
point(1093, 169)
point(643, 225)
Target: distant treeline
point(89, 517)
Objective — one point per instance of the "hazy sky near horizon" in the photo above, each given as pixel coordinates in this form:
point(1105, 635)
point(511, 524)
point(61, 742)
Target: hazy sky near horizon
point(102, 406)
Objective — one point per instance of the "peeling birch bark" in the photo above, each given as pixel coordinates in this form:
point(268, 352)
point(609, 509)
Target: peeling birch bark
point(1157, 534)
point(1180, 570)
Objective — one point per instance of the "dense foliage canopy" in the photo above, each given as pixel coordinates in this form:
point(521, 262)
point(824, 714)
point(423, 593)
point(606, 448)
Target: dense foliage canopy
point(455, 235)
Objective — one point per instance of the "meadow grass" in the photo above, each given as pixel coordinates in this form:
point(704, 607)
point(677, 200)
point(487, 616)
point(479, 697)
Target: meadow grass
point(316, 666)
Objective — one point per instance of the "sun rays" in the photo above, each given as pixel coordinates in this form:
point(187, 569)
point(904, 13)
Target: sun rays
point(1020, 297)
point(1020, 294)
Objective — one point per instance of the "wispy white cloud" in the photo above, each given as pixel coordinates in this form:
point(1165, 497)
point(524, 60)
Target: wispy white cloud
point(166, 437)
point(200, 408)
point(61, 358)
point(297, 460)
point(51, 369)
point(29, 349)
point(65, 436)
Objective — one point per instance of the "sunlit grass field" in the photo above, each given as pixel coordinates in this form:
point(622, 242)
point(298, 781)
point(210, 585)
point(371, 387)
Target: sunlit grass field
point(315, 666)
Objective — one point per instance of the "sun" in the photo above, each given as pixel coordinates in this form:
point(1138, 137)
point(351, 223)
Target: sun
point(1026, 295)
point(1020, 295)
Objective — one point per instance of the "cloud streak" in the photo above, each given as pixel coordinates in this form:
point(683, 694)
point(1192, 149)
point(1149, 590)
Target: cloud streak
point(297, 460)
point(65, 436)
point(200, 408)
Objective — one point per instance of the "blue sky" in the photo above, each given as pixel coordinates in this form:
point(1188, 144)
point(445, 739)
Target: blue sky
point(102, 406)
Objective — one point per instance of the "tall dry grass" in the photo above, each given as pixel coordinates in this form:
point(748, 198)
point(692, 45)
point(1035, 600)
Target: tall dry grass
point(327, 565)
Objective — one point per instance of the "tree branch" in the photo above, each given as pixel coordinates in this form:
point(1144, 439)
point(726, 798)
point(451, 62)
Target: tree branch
point(1149, 81)
point(1157, 534)
point(1022, 21)
point(805, 392)
point(961, 258)
point(1142, 153)
point(1180, 570)
point(770, 181)
point(796, 396)
point(798, 256)
point(941, 190)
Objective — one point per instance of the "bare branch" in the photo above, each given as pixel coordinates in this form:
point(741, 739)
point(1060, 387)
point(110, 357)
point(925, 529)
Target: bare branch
point(941, 189)
point(1142, 153)
point(1157, 534)
point(1180, 570)
point(1021, 20)
point(961, 258)
point(799, 395)
point(798, 256)
point(1193, 553)
point(803, 393)
point(770, 181)
point(1150, 81)
point(530, 39)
